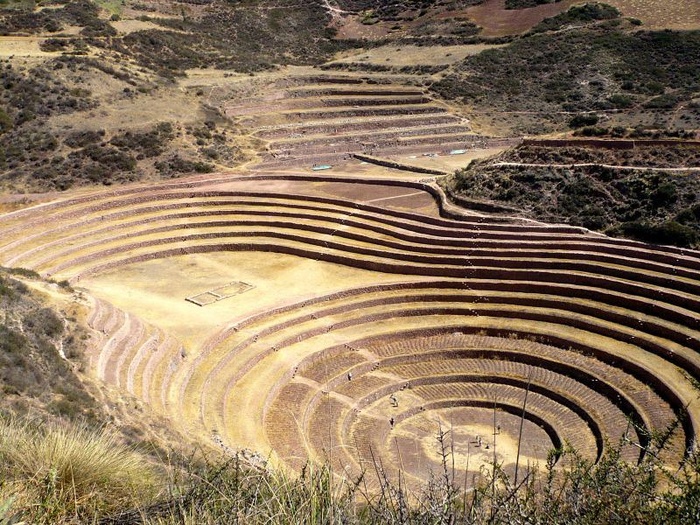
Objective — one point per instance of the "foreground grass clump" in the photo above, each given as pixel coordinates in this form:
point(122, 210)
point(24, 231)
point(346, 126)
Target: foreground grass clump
point(56, 474)
point(572, 490)
point(234, 491)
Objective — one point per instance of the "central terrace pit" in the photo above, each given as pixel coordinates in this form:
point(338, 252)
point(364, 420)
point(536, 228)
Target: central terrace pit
point(376, 318)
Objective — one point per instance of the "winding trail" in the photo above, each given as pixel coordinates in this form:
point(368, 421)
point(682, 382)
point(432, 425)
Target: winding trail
point(596, 165)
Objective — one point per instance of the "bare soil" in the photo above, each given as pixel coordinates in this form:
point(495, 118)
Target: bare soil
point(22, 46)
point(156, 290)
point(407, 55)
point(655, 14)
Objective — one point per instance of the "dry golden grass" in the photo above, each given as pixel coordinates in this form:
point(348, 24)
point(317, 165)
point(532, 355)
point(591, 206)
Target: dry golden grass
point(62, 473)
point(398, 56)
point(657, 14)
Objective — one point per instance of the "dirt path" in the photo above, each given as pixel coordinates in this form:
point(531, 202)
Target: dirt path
point(595, 165)
point(22, 46)
point(333, 10)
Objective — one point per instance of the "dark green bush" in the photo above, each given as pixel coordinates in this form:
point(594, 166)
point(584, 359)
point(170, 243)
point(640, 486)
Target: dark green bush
point(667, 101)
point(524, 4)
point(12, 342)
point(592, 131)
point(176, 165)
point(576, 15)
point(147, 144)
point(670, 232)
point(690, 215)
point(584, 119)
point(621, 101)
point(5, 121)
point(80, 139)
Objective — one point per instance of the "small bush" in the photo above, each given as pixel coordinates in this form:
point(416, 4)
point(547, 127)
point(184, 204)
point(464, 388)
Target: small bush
point(667, 101)
point(176, 165)
point(80, 139)
point(44, 321)
point(11, 341)
point(5, 121)
point(148, 144)
point(24, 272)
point(621, 101)
point(524, 4)
point(670, 232)
point(584, 119)
point(592, 131)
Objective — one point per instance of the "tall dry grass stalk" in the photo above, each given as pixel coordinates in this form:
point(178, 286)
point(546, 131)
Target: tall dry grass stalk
point(236, 492)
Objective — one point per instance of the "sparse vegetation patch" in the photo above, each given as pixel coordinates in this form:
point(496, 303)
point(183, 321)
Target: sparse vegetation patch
point(235, 37)
point(524, 4)
point(579, 186)
point(32, 371)
point(602, 67)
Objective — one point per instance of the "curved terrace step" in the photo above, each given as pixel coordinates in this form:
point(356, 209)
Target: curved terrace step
point(602, 333)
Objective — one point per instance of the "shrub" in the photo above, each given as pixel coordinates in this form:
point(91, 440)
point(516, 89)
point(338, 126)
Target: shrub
point(524, 4)
point(664, 195)
point(5, 121)
point(44, 321)
point(80, 139)
point(24, 272)
point(584, 119)
point(12, 342)
point(592, 131)
point(666, 101)
point(110, 158)
point(620, 101)
point(689, 215)
point(670, 232)
point(147, 144)
point(176, 165)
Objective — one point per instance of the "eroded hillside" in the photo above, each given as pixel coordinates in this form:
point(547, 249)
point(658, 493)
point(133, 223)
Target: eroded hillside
point(116, 93)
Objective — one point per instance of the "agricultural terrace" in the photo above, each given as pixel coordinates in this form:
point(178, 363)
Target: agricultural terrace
point(349, 315)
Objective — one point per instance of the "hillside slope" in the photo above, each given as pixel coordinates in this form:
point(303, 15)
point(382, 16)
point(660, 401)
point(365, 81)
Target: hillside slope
point(46, 344)
point(110, 94)
point(586, 61)
point(647, 192)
